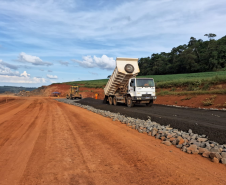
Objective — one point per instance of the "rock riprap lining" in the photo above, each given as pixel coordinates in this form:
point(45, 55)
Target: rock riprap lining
point(187, 141)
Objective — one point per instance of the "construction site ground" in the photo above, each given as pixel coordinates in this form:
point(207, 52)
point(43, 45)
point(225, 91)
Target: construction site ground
point(192, 100)
point(43, 141)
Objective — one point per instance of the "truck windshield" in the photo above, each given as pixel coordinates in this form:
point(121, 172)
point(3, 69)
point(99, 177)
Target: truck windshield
point(145, 83)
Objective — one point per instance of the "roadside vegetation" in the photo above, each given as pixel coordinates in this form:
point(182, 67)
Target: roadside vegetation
point(195, 56)
point(89, 83)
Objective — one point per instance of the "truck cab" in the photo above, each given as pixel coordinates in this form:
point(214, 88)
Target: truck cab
point(142, 90)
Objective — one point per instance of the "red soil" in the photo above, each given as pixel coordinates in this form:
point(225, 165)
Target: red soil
point(43, 141)
point(65, 89)
point(195, 101)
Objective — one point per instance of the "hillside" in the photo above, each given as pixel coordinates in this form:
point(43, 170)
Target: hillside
point(14, 89)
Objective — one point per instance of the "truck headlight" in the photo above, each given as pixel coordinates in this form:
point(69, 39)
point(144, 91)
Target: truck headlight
point(129, 68)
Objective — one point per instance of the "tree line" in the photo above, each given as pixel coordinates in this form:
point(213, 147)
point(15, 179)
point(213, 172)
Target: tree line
point(196, 56)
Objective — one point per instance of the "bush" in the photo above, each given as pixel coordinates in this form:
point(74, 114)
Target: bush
point(209, 101)
point(206, 86)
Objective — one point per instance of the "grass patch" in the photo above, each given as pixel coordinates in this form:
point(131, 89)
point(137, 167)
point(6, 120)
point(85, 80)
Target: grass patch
point(221, 105)
point(192, 81)
point(186, 98)
point(89, 83)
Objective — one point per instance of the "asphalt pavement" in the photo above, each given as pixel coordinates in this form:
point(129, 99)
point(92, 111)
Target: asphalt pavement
point(204, 122)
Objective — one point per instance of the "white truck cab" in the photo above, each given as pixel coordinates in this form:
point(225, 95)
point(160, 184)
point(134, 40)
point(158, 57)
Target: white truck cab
point(142, 90)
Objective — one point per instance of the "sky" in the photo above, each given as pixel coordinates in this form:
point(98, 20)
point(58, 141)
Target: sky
point(49, 41)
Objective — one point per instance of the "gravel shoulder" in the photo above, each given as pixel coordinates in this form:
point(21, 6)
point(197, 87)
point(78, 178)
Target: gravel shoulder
point(208, 122)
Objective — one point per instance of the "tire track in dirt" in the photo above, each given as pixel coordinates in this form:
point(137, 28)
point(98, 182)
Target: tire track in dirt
point(5, 108)
point(10, 127)
point(59, 160)
point(17, 142)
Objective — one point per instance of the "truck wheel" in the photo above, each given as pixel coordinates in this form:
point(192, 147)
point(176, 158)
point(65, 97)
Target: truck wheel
point(105, 100)
point(129, 102)
point(150, 103)
point(114, 101)
point(110, 100)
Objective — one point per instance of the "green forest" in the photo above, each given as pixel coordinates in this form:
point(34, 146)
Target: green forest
point(196, 56)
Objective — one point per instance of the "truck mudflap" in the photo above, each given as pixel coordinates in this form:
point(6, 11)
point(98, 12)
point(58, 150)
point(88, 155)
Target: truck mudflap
point(143, 98)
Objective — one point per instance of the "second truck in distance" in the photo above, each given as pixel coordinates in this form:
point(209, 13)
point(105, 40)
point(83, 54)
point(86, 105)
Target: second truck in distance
point(124, 87)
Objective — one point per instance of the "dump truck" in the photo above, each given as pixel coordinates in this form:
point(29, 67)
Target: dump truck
point(124, 87)
point(74, 93)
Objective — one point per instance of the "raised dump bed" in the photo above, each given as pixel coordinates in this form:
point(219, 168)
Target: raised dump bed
point(121, 75)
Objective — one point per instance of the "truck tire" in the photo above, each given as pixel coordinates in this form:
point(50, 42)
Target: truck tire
point(110, 100)
point(115, 101)
point(150, 103)
point(105, 100)
point(129, 102)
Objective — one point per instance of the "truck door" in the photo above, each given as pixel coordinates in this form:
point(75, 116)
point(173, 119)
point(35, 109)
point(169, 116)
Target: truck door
point(132, 87)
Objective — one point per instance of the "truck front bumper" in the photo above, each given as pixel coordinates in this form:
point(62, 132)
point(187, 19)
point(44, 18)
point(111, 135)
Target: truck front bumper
point(144, 98)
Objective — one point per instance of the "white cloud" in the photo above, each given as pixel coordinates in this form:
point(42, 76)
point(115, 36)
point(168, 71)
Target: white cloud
point(50, 71)
point(8, 65)
point(51, 76)
point(64, 63)
point(25, 74)
point(23, 57)
point(103, 62)
point(7, 71)
point(20, 78)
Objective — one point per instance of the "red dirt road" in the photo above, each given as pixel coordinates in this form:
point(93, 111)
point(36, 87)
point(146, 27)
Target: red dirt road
point(43, 141)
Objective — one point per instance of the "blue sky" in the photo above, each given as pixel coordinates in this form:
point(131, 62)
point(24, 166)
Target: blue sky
point(47, 41)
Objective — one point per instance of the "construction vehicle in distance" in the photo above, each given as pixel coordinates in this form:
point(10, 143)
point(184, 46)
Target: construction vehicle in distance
point(123, 87)
point(74, 93)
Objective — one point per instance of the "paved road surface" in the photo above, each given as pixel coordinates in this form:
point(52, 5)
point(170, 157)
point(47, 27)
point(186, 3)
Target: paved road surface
point(208, 122)
point(43, 141)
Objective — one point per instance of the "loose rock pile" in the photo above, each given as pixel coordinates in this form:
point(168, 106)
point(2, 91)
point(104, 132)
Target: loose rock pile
point(187, 141)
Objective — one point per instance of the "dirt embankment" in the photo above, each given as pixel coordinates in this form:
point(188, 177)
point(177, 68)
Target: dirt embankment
point(64, 89)
point(47, 142)
point(194, 101)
